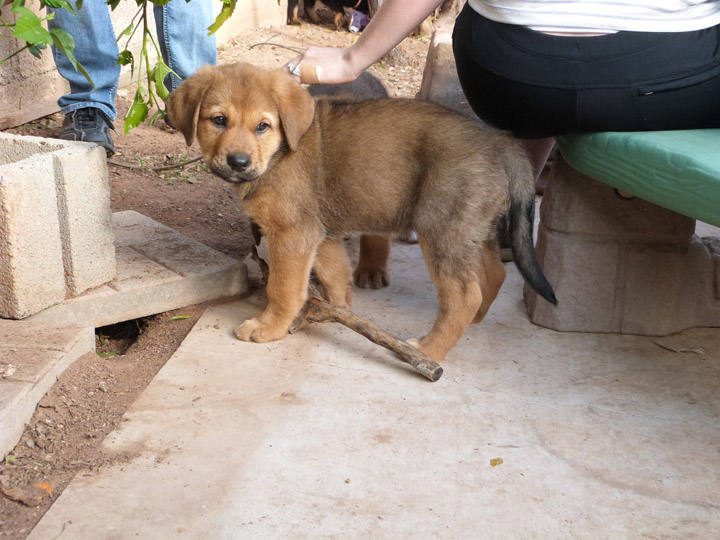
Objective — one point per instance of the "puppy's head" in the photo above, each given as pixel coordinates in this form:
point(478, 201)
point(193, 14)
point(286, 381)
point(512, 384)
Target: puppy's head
point(242, 116)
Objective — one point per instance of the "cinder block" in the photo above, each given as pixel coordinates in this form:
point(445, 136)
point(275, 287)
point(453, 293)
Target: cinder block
point(620, 265)
point(55, 221)
point(81, 178)
point(580, 207)
point(31, 264)
point(584, 276)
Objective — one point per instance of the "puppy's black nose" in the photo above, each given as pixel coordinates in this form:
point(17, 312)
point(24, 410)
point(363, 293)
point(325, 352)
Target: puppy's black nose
point(238, 162)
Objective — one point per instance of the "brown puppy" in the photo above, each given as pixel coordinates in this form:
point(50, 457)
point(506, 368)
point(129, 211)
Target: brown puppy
point(310, 173)
point(372, 267)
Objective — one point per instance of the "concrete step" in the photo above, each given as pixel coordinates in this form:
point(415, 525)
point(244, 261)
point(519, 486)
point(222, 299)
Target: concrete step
point(158, 269)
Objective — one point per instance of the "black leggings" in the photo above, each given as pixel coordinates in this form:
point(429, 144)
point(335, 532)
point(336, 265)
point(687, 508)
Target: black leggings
point(537, 85)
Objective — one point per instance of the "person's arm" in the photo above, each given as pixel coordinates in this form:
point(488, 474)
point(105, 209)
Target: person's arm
point(393, 22)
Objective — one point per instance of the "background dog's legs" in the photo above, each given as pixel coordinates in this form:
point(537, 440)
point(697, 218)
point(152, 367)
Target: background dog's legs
point(372, 267)
point(290, 263)
point(340, 20)
point(310, 8)
point(491, 275)
point(293, 15)
point(332, 269)
point(459, 299)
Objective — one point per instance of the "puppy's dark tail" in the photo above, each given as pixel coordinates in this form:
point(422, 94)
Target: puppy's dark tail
point(521, 219)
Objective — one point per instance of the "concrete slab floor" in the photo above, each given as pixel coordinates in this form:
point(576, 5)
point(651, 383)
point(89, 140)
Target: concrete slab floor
point(530, 433)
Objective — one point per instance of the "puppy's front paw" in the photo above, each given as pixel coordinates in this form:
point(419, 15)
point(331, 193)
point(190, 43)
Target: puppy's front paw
point(254, 330)
point(371, 278)
point(425, 348)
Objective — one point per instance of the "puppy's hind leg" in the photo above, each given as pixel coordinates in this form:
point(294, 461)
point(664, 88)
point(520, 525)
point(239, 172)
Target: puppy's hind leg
point(459, 299)
point(332, 269)
point(371, 270)
point(491, 275)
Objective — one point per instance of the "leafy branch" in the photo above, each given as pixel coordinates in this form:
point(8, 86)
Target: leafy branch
point(151, 90)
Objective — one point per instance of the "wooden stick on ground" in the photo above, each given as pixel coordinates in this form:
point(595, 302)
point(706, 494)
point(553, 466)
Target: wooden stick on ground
point(318, 309)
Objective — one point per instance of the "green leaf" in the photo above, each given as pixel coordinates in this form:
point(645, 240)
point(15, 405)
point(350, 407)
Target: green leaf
point(159, 73)
point(124, 58)
point(127, 31)
point(137, 113)
point(178, 317)
point(60, 4)
point(28, 27)
point(36, 50)
point(225, 13)
point(66, 44)
point(157, 116)
point(160, 2)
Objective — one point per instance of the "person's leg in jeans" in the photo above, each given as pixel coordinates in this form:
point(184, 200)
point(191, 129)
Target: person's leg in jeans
point(88, 111)
point(96, 50)
point(183, 37)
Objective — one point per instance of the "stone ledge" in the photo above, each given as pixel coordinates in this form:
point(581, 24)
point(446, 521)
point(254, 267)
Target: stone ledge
point(159, 270)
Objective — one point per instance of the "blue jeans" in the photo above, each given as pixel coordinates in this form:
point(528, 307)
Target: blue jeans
point(181, 34)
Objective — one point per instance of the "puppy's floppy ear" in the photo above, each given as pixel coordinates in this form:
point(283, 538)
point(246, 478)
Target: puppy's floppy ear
point(183, 104)
point(295, 106)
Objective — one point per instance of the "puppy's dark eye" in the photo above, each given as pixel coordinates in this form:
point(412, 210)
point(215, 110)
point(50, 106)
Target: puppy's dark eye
point(219, 121)
point(262, 127)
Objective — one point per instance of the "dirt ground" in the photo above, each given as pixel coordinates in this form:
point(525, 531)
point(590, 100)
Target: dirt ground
point(88, 401)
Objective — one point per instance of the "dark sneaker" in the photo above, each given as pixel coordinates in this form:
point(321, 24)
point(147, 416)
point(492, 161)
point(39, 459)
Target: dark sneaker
point(90, 125)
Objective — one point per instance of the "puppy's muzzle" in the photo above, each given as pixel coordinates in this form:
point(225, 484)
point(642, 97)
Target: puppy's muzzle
point(238, 162)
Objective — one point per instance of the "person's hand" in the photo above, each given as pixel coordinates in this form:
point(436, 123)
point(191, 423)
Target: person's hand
point(323, 65)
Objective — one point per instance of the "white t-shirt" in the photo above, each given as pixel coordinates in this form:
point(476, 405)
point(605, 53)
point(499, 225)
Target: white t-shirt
point(603, 15)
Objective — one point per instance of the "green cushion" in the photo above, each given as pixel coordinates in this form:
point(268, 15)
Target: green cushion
point(679, 170)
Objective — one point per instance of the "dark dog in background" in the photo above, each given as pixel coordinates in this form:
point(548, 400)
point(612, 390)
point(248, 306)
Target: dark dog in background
point(338, 7)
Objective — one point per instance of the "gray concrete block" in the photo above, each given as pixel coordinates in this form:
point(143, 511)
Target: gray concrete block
point(620, 265)
point(81, 178)
point(31, 262)
point(17, 148)
point(565, 209)
point(581, 283)
point(56, 220)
